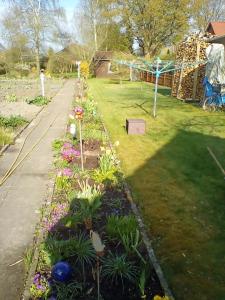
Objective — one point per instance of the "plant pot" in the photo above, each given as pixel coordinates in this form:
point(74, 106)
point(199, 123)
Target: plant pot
point(88, 223)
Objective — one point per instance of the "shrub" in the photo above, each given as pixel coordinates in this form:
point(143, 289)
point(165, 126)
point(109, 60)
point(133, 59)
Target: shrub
point(67, 291)
point(118, 268)
point(84, 69)
point(39, 101)
point(90, 202)
point(106, 173)
point(121, 225)
point(12, 121)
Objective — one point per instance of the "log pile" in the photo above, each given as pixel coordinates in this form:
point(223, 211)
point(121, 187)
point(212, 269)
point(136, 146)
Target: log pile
point(187, 81)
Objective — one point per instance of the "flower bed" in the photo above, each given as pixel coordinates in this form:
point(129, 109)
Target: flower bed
point(93, 247)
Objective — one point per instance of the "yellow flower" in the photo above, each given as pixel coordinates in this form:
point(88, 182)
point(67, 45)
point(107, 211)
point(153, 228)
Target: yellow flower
point(161, 298)
point(102, 148)
point(108, 151)
point(117, 143)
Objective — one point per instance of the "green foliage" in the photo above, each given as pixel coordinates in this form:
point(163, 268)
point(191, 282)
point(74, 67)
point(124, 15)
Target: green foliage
point(62, 183)
point(57, 145)
point(68, 291)
point(94, 134)
point(39, 101)
point(121, 225)
point(12, 121)
point(42, 293)
point(142, 283)
point(28, 257)
point(118, 268)
point(11, 98)
point(106, 173)
point(83, 251)
point(88, 192)
point(6, 136)
point(79, 247)
point(90, 200)
point(131, 241)
point(90, 108)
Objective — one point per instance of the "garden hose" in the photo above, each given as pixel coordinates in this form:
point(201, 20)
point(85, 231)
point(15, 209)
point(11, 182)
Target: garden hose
point(35, 126)
point(13, 166)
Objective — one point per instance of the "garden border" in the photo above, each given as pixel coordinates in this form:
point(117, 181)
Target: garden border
point(35, 246)
point(147, 241)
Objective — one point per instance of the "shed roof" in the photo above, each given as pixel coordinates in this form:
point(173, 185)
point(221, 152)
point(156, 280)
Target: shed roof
point(218, 28)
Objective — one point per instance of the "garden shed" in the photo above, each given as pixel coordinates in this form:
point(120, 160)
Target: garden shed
point(102, 63)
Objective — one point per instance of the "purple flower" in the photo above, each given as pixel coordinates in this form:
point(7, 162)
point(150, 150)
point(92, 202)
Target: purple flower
point(67, 172)
point(69, 154)
point(58, 212)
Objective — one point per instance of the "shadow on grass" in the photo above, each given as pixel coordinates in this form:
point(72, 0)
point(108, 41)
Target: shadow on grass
point(181, 193)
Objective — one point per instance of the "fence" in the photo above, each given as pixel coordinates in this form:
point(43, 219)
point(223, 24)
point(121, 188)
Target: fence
point(165, 79)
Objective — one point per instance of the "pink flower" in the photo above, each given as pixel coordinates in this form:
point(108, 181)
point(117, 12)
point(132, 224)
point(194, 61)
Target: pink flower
point(67, 172)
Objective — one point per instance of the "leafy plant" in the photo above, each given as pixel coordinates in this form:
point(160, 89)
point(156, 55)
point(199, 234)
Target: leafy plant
point(142, 283)
point(39, 101)
point(6, 137)
point(57, 145)
point(11, 98)
point(131, 241)
point(28, 257)
point(120, 225)
point(12, 121)
point(118, 268)
point(88, 192)
point(90, 202)
point(107, 169)
point(68, 291)
point(62, 183)
point(40, 287)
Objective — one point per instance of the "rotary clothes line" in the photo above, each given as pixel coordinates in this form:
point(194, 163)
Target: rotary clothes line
point(157, 68)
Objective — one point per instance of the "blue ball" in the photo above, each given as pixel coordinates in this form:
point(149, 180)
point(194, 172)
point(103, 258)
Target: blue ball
point(61, 271)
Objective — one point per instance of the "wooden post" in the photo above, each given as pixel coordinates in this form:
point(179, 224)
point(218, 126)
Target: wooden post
point(196, 73)
point(81, 147)
point(180, 77)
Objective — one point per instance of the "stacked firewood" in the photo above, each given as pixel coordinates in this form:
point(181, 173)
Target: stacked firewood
point(190, 61)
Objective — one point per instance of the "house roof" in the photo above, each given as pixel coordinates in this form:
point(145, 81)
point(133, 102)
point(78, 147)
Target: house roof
point(217, 27)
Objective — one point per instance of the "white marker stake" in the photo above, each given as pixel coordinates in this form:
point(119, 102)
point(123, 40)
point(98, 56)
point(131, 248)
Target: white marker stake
point(42, 77)
point(78, 69)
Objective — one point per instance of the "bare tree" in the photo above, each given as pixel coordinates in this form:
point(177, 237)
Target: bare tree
point(205, 11)
point(38, 19)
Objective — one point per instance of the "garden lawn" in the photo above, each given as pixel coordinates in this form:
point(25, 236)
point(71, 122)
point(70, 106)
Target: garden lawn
point(179, 188)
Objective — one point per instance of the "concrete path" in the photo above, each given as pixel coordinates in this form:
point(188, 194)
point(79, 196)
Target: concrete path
point(24, 192)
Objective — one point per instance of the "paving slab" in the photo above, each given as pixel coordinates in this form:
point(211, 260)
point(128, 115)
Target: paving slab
point(22, 195)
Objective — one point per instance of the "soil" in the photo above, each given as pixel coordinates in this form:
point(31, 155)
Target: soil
point(24, 89)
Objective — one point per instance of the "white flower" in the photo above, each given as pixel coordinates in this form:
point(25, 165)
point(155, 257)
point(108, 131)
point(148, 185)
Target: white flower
point(71, 116)
point(117, 143)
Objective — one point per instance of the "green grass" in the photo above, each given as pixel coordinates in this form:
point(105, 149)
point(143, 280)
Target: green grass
point(176, 183)
point(6, 137)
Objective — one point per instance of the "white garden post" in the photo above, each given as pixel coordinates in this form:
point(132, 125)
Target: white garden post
point(78, 69)
point(157, 74)
point(42, 78)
